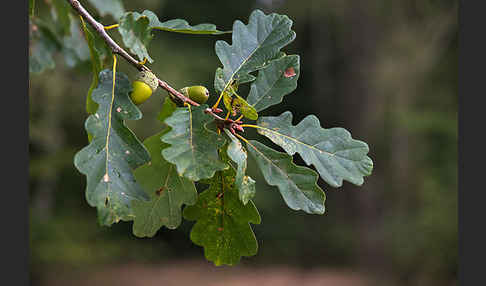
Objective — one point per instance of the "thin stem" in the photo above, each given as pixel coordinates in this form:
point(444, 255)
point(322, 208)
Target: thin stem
point(100, 29)
point(111, 26)
point(116, 49)
point(239, 118)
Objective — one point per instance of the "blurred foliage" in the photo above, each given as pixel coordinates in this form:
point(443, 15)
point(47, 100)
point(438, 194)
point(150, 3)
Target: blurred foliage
point(386, 71)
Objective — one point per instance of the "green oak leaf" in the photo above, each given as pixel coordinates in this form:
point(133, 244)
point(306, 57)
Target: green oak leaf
point(253, 45)
point(105, 52)
point(75, 48)
point(222, 221)
point(96, 65)
point(297, 184)
point(135, 29)
point(109, 7)
point(194, 148)
point(60, 10)
point(168, 108)
point(43, 44)
point(167, 191)
point(136, 35)
point(276, 80)
point(245, 184)
point(113, 152)
point(181, 26)
point(219, 80)
point(333, 152)
point(219, 83)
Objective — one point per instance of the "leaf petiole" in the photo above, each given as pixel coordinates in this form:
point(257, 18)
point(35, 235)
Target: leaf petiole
point(242, 138)
point(111, 26)
point(248, 125)
point(228, 85)
point(218, 101)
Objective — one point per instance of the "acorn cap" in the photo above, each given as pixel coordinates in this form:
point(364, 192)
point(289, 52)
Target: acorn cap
point(149, 78)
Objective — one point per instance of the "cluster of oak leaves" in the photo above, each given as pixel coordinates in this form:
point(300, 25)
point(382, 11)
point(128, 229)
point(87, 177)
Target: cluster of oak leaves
point(148, 183)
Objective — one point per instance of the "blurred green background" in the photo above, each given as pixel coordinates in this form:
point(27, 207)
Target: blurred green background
point(384, 70)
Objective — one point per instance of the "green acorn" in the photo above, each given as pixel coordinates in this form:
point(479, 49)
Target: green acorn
point(143, 87)
point(197, 93)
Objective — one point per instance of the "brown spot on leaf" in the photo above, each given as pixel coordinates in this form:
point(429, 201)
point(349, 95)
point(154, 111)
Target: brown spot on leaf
point(220, 229)
point(159, 191)
point(289, 72)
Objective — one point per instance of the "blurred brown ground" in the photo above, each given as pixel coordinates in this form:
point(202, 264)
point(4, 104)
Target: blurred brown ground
point(202, 274)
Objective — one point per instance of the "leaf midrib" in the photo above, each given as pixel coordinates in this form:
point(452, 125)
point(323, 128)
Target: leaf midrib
point(159, 197)
point(280, 170)
point(295, 140)
point(271, 87)
point(246, 59)
point(108, 133)
point(313, 146)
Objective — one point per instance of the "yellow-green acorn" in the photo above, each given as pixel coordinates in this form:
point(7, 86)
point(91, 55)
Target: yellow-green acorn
point(143, 87)
point(197, 93)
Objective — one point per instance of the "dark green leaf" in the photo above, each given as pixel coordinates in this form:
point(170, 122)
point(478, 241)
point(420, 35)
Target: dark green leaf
point(167, 109)
point(219, 83)
point(136, 35)
point(244, 184)
point(103, 49)
point(298, 185)
point(61, 9)
point(333, 152)
point(253, 45)
point(219, 80)
point(194, 148)
point(109, 7)
point(276, 80)
point(42, 45)
point(75, 48)
point(167, 191)
point(181, 26)
point(96, 65)
point(113, 153)
point(222, 226)
point(136, 28)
